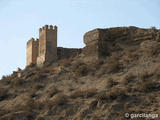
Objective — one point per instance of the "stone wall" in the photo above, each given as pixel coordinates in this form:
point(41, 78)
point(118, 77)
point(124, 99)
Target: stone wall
point(45, 49)
point(101, 42)
point(32, 51)
point(91, 39)
point(67, 52)
point(47, 44)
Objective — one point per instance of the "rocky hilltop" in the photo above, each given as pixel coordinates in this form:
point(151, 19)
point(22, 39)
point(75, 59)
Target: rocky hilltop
point(117, 72)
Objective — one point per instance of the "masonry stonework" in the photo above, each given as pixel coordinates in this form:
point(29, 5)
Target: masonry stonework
point(47, 44)
point(45, 49)
point(102, 42)
point(32, 51)
point(67, 52)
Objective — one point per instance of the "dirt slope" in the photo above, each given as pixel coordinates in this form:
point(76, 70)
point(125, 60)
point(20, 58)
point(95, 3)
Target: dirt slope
point(127, 81)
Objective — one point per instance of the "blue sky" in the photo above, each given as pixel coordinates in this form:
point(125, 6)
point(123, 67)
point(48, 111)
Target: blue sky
point(21, 19)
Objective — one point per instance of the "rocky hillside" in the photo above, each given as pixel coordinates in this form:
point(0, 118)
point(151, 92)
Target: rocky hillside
point(127, 80)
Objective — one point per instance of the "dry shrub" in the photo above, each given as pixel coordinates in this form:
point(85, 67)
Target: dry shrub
point(110, 83)
point(52, 91)
point(17, 82)
point(111, 65)
point(58, 99)
point(115, 93)
point(3, 112)
point(36, 69)
point(150, 48)
point(145, 82)
point(129, 57)
point(40, 118)
point(6, 80)
point(84, 93)
point(38, 86)
point(97, 64)
point(65, 62)
point(31, 66)
point(38, 77)
point(80, 69)
point(32, 93)
point(127, 78)
point(76, 64)
point(32, 105)
point(155, 50)
point(47, 64)
point(144, 75)
point(3, 94)
point(150, 99)
point(38, 74)
point(146, 86)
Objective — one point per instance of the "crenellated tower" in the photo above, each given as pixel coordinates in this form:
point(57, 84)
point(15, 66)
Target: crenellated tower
point(32, 51)
point(47, 44)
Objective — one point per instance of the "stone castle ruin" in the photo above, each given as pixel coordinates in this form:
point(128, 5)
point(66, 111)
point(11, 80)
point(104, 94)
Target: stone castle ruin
point(99, 43)
point(47, 44)
point(102, 42)
point(45, 50)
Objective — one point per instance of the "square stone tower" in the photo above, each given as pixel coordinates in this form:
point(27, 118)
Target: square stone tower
point(47, 44)
point(32, 51)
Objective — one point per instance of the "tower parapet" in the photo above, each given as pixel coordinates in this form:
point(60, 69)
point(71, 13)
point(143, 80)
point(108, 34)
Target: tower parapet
point(32, 51)
point(47, 44)
point(48, 27)
point(43, 49)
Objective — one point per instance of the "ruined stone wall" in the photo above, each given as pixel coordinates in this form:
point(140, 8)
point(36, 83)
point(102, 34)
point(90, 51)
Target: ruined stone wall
point(32, 51)
point(103, 41)
point(47, 44)
point(67, 52)
point(91, 39)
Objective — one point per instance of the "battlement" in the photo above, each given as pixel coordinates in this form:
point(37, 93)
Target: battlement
point(101, 42)
point(31, 41)
point(32, 51)
point(48, 27)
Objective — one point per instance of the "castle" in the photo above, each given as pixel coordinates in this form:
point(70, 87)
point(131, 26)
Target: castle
point(99, 43)
point(45, 50)
point(103, 42)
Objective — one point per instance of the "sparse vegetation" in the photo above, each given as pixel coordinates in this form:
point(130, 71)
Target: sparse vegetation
point(80, 69)
point(17, 82)
point(38, 77)
point(58, 99)
point(110, 83)
point(52, 91)
point(111, 65)
point(126, 81)
point(32, 105)
point(115, 93)
point(3, 94)
point(84, 93)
